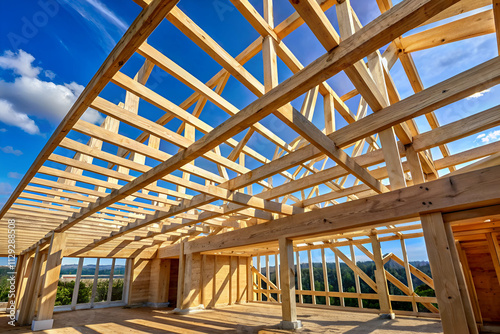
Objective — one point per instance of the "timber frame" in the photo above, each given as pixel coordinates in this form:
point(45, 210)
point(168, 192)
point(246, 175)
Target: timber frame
point(143, 202)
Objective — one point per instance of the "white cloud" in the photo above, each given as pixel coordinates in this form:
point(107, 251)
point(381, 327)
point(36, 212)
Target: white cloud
point(3, 130)
point(5, 188)
point(49, 74)
point(10, 116)
point(15, 175)
point(478, 94)
point(10, 150)
point(20, 63)
point(490, 137)
point(28, 95)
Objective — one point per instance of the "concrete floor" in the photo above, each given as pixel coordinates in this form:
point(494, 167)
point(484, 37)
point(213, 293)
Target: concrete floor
point(245, 319)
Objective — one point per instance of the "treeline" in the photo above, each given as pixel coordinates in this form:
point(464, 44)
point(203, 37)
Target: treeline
point(70, 269)
point(65, 291)
point(349, 285)
point(4, 284)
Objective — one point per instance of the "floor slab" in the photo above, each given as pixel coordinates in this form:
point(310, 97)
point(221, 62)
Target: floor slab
point(246, 318)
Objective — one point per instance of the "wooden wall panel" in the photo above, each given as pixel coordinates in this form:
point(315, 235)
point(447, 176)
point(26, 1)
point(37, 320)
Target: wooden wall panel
point(222, 269)
point(233, 280)
point(486, 283)
point(242, 280)
point(221, 280)
point(139, 290)
point(208, 281)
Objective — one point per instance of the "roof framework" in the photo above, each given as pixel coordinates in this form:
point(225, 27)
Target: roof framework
point(137, 195)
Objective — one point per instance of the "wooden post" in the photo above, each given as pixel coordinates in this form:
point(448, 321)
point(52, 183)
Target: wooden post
point(277, 271)
point(299, 277)
point(94, 284)
point(339, 280)
point(49, 290)
point(311, 275)
point(250, 296)
point(110, 283)
point(180, 281)
point(74, 299)
point(356, 276)
point(406, 264)
point(27, 265)
point(381, 279)
point(451, 307)
point(21, 260)
point(28, 304)
point(127, 282)
point(325, 276)
point(287, 275)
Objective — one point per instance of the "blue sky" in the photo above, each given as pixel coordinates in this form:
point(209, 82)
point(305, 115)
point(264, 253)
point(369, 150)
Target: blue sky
point(50, 49)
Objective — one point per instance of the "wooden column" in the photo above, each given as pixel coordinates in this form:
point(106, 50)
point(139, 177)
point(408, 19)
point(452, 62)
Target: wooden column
point(451, 306)
point(27, 265)
point(381, 279)
point(180, 280)
point(27, 306)
point(74, 299)
point(53, 269)
point(21, 260)
point(287, 276)
point(250, 294)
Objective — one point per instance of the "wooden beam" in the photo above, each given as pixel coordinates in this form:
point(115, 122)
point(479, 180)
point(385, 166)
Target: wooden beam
point(471, 26)
point(463, 191)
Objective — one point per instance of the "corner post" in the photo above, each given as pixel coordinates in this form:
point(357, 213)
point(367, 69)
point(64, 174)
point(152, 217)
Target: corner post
point(287, 277)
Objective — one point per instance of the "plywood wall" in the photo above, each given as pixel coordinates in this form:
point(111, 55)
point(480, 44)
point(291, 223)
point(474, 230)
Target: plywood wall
point(485, 282)
point(222, 280)
point(210, 280)
point(139, 281)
